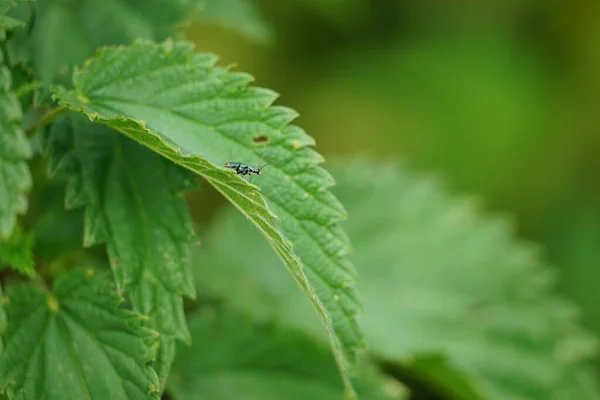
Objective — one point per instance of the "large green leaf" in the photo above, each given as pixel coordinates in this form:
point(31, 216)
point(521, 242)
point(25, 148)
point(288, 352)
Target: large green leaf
point(15, 178)
point(436, 279)
point(133, 203)
point(184, 107)
point(233, 358)
point(462, 284)
point(66, 32)
point(75, 343)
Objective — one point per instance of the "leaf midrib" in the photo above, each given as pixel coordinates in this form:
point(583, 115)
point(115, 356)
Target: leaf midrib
point(112, 100)
point(283, 208)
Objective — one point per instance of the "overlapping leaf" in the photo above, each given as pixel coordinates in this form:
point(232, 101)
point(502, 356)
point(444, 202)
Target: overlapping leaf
point(7, 22)
point(75, 343)
point(66, 32)
point(233, 357)
point(436, 278)
point(133, 203)
point(15, 178)
point(184, 107)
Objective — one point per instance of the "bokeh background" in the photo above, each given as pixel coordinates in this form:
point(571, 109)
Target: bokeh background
point(500, 98)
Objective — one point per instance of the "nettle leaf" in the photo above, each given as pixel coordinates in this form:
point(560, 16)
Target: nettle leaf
point(17, 252)
point(57, 343)
point(185, 108)
point(241, 15)
point(66, 32)
point(233, 357)
point(15, 178)
point(133, 202)
point(437, 279)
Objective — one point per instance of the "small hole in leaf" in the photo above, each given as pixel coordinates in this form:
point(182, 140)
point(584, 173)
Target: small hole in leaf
point(260, 139)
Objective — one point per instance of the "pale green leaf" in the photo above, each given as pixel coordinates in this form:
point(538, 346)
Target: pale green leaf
point(232, 358)
point(66, 32)
point(17, 252)
point(240, 15)
point(133, 203)
point(436, 278)
point(184, 107)
point(453, 282)
point(15, 178)
point(75, 343)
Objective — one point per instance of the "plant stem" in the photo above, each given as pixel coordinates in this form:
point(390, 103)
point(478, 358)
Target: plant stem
point(45, 119)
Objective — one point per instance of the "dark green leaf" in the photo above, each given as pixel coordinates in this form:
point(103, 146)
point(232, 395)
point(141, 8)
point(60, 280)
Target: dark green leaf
point(184, 107)
point(75, 343)
point(66, 32)
point(133, 203)
point(15, 178)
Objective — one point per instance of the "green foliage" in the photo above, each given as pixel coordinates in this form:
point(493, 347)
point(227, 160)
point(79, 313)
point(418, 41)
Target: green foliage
point(17, 252)
point(95, 159)
point(75, 342)
point(436, 279)
point(15, 178)
point(66, 32)
point(261, 361)
point(184, 107)
point(458, 285)
point(132, 202)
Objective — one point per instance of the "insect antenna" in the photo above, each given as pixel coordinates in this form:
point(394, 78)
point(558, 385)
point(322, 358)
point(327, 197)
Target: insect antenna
point(259, 166)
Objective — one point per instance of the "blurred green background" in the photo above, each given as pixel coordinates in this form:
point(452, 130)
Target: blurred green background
point(501, 98)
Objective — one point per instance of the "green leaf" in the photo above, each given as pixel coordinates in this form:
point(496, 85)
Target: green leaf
point(66, 32)
point(6, 5)
point(133, 203)
point(75, 343)
point(3, 322)
point(436, 278)
point(456, 283)
point(15, 178)
point(8, 23)
point(233, 357)
point(17, 252)
point(184, 107)
point(241, 15)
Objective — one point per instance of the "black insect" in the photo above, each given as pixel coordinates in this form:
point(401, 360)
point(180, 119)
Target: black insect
point(244, 169)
